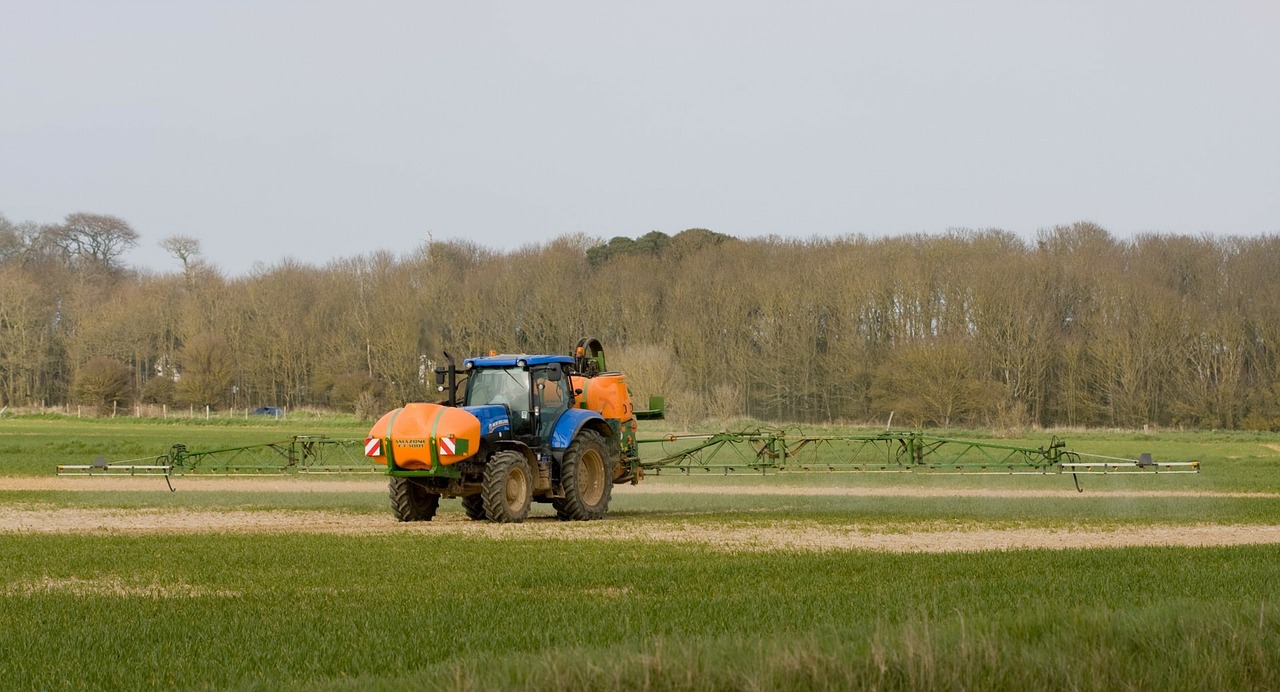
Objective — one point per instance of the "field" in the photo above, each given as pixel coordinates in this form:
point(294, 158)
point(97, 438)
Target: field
point(792, 582)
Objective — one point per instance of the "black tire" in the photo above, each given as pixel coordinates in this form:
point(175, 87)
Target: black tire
point(508, 487)
point(473, 505)
point(411, 501)
point(586, 474)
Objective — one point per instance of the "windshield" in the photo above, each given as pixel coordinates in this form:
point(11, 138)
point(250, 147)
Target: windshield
point(508, 386)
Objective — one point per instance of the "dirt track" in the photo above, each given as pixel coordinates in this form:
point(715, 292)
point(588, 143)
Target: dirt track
point(778, 535)
point(41, 518)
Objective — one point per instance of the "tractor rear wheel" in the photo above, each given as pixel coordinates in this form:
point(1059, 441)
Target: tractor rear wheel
point(508, 487)
point(411, 501)
point(473, 505)
point(586, 474)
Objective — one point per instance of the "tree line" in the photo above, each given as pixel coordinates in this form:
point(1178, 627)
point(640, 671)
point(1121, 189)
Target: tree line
point(973, 327)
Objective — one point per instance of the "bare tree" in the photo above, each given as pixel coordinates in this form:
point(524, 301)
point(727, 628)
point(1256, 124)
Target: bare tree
point(104, 382)
point(96, 239)
point(208, 370)
point(10, 240)
point(935, 384)
point(183, 248)
point(26, 337)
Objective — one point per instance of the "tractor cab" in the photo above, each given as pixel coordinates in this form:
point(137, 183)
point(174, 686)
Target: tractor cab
point(532, 391)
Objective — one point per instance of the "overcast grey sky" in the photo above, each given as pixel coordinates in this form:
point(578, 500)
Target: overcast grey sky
point(316, 130)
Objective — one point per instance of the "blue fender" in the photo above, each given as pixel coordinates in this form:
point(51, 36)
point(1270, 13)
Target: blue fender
point(568, 425)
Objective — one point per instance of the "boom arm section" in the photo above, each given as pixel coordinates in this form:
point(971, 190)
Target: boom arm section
point(316, 454)
point(765, 451)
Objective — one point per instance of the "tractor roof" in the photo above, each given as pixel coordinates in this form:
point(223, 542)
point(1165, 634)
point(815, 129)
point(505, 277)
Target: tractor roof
point(508, 360)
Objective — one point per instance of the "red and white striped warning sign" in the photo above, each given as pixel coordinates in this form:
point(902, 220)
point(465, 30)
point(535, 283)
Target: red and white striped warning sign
point(448, 446)
point(373, 447)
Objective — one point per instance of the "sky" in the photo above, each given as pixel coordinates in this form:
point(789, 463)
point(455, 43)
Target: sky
point(315, 130)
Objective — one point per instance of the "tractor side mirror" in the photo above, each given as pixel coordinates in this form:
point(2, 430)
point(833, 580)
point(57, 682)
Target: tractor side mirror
point(555, 375)
point(440, 377)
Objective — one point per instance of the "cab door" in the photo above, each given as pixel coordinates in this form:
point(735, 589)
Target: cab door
point(551, 397)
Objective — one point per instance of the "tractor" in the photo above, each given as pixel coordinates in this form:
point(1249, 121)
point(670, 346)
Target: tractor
point(513, 429)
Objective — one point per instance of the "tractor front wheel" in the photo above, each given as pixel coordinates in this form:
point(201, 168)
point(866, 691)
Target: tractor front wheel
point(473, 505)
point(411, 501)
point(586, 474)
point(507, 488)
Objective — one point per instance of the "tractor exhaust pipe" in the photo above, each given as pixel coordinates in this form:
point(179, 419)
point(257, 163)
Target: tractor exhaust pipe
point(451, 396)
point(453, 380)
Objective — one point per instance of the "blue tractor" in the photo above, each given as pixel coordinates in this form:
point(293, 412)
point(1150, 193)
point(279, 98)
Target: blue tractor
point(513, 429)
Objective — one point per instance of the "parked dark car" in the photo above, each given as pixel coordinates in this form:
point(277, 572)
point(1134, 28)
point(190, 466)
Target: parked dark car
point(274, 411)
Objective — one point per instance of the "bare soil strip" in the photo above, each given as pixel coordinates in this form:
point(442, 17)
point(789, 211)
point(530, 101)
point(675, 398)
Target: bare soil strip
point(31, 519)
point(109, 586)
point(378, 484)
point(40, 518)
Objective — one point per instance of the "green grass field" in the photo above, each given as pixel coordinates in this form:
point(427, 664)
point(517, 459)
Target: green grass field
point(423, 609)
point(427, 612)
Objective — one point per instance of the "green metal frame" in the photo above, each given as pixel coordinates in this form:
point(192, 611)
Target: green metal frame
point(309, 454)
point(437, 469)
point(766, 451)
point(759, 452)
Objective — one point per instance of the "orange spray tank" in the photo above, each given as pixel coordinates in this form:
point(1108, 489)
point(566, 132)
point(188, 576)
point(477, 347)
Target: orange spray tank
point(606, 393)
point(420, 436)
